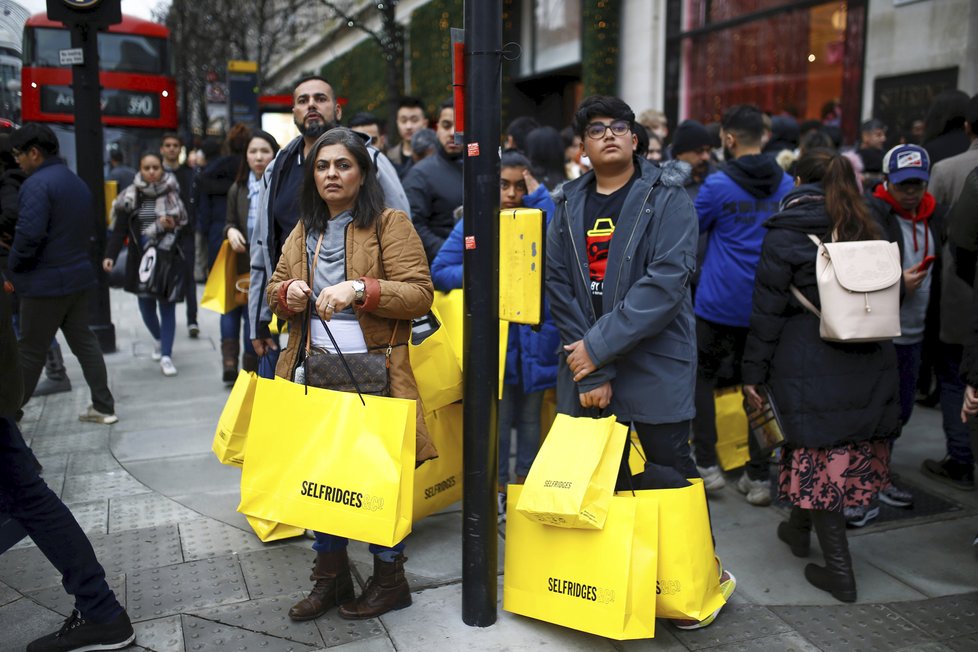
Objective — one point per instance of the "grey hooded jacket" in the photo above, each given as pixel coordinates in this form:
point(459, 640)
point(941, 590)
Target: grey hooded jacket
point(645, 342)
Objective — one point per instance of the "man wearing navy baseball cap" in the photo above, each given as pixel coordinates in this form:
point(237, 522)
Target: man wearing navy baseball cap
point(911, 217)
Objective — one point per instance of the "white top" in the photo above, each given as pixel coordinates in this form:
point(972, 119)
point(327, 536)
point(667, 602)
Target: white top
point(347, 332)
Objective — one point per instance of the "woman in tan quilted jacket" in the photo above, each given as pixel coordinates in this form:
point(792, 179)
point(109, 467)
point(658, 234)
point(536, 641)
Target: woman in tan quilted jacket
point(361, 267)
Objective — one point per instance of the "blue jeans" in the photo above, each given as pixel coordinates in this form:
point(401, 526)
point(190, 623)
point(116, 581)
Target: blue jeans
point(956, 434)
point(50, 524)
point(231, 323)
point(162, 328)
point(332, 543)
point(908, 363)
point(521, 411)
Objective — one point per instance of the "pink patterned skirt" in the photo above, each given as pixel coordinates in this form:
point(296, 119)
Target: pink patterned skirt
point(833, 478)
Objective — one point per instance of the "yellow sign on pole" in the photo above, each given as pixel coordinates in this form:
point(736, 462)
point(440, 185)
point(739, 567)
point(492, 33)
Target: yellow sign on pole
point(242, 66)
point(522, 234)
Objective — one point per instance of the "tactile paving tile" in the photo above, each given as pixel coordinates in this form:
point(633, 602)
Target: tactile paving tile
point(962, 643)
point(336, 631)
point(161, 635)
point(268, 616)
point(57, 599)
point(91, 516)
point(206, 537)
point(26, 569)
point(951, 616)
point(146, 510)
point(853, 628)
point(92, 462)
point(277, 571)
point(202, 635)
point(7, 594)
point(157, 592)
point(781, 643)
point(90, 440)
point(95, 486)
point(735, 623)
point(131, 550)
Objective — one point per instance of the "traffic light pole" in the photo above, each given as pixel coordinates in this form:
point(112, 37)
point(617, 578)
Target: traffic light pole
point(480, 541)
point(89, 145)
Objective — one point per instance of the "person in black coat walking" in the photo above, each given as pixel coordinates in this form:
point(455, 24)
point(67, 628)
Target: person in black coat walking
point(838, 401)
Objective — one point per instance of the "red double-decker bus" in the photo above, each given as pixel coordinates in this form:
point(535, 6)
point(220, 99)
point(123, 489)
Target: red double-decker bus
point(139, 100)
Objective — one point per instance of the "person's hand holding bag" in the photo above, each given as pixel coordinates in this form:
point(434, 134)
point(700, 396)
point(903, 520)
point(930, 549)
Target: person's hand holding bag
point(334, 299)
point(297, 296)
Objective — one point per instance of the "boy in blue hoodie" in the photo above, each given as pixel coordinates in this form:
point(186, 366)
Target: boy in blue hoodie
point(732, 206)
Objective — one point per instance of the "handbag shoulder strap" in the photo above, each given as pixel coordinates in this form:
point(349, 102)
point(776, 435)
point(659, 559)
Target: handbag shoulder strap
point(808, 305)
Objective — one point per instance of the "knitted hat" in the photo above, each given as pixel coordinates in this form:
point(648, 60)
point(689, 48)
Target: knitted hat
point(690, 136)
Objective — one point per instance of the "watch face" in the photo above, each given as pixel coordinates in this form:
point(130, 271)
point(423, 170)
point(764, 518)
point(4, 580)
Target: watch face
point(81, 4)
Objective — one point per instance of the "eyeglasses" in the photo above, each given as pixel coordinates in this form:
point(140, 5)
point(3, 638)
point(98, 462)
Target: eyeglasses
point(597, 130)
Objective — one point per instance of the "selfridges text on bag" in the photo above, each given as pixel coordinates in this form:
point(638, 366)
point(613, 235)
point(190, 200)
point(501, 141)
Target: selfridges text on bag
point(859, 289)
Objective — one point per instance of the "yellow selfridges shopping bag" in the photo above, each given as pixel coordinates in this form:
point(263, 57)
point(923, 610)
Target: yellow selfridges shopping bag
point(232, 427)
point(324, 461)
point(731, 420)
point(450, 307)
point(597, 581)
point(436, 369)
point(573, 475)
point(221, 291)
point(271, 531)
point(438, 482)
point(688, 585)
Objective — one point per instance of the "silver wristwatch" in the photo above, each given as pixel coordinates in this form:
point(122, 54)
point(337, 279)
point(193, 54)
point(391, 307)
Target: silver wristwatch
point(360, 291)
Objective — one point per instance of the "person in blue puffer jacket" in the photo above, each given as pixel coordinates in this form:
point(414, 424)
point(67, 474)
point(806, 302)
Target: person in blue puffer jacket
point(531, 355)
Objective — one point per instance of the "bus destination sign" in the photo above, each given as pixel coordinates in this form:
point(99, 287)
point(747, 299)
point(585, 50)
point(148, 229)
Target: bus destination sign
point(116, 103)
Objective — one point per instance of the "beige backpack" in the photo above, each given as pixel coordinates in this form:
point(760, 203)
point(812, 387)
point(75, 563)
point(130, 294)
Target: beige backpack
point(859, 289)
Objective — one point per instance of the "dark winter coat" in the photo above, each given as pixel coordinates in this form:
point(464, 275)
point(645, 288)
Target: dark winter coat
point(10, 183)
point(212, 199)
point(963, 219)
point(645, 342)
point(50, 256)
point(434, 189)
point(827, 393)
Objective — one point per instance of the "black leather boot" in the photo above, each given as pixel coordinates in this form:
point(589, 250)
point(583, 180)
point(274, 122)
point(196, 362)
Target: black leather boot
point(836, 576)
point(333, 586)
point(796, 531)
point(386, 590)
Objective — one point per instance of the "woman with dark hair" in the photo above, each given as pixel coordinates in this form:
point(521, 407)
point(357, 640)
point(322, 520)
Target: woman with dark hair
point(545, 149)
point(362, 268)
point(838, 402)
point(944, 134)
point(213, 184)
point(242, 211)
point(147, 212)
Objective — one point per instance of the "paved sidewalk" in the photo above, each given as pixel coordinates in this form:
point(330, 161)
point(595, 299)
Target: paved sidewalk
point(160, 511)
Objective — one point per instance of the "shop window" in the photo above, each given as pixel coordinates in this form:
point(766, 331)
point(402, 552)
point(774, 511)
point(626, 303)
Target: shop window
point(551, 35)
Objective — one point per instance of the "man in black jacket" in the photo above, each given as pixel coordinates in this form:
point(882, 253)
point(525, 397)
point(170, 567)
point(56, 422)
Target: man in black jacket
point(434, 186)
point(170, 147)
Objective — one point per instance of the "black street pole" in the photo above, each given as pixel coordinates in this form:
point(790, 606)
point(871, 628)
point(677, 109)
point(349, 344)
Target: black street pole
point(89, 146)
point(483, 44)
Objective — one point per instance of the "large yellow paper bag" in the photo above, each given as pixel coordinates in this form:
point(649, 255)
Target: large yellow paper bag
point(573, 476)
point(597, 581)
point(688, 578)
point(436, 369)
point(225, 288)
point(270, 531)
point(438, 482)
point(232, 427)
point(731, 422)
point(322, 460)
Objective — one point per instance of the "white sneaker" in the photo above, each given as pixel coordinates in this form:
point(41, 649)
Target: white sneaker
point(501, 507)
point(91, 415)
point(166, 364)
point(157, 350)
point(758, 492)
point(713, 479)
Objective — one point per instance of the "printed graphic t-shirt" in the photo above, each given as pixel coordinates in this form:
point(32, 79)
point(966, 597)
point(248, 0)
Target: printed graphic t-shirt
point(600, 217)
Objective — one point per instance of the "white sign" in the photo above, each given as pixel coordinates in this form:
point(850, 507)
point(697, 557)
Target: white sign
point(71, 57)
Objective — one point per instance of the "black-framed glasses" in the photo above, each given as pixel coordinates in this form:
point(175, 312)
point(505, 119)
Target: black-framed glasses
point(597, 130)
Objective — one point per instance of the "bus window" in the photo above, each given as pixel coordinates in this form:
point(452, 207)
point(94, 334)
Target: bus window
point(117, 52)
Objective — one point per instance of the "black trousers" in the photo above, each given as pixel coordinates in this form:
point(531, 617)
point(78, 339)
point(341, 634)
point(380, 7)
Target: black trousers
point(40, 320)
point(720, 349)
point(666, 445)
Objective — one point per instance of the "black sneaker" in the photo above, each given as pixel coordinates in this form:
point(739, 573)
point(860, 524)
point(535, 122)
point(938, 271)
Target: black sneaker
point(78, 634)
point(193, 330)
point(951, 472)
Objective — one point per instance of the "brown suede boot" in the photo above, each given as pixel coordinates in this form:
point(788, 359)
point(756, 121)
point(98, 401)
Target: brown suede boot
point(229, 354)
point(386, 590)
point(333, 586)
